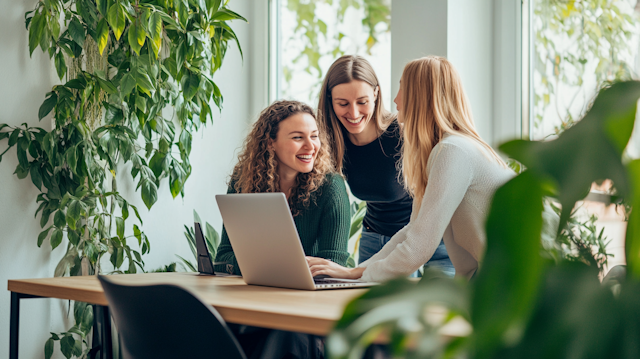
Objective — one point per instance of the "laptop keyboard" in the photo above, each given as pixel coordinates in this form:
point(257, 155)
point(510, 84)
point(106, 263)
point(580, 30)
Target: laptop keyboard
point(328, 281)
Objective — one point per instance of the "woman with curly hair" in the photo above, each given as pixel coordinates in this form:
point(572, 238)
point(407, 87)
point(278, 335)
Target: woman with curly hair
point(284, 152)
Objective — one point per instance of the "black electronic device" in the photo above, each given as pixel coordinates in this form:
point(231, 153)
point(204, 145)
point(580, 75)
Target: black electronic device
point(205, 265)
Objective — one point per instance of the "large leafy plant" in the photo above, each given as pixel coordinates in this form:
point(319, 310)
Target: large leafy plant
point(137, 81)
point(522, 304)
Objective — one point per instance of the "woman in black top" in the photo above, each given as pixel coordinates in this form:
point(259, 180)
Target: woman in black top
point(366, 145)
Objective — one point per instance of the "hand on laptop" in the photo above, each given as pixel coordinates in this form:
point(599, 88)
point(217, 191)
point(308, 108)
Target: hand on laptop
point(321, 266)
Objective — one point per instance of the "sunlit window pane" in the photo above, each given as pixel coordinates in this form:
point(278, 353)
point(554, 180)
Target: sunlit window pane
point(579, 46)
point(313, 34)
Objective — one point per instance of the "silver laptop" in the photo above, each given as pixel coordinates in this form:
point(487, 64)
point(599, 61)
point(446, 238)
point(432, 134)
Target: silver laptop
point(265, 241)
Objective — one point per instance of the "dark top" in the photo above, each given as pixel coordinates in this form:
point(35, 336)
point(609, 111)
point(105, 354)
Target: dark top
point(372, 175)
point(323, 226)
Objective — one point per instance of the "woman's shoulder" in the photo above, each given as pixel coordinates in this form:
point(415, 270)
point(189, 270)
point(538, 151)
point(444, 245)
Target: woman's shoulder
point(333, 182)
point(333, 186)
point(457, 142)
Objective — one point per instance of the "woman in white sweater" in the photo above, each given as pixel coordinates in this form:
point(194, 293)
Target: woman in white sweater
point(449, 170)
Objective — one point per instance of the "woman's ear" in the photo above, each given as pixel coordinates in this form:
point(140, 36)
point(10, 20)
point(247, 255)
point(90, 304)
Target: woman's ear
point(375, 92)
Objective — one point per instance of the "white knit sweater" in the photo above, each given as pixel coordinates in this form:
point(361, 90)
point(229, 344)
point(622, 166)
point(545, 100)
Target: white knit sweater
point(462, 180)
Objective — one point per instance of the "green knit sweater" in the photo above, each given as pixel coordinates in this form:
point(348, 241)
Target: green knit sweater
point(323, 226)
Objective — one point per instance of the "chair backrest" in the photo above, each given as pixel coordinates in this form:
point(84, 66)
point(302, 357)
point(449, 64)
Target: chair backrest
point(167, 321)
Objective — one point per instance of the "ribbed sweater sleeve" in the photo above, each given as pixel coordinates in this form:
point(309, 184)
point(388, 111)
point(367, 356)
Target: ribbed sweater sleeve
point(450, 175)
point(225, 252)
point(335, 223)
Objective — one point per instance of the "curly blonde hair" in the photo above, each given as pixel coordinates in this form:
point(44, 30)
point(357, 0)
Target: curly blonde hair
point(257, 167)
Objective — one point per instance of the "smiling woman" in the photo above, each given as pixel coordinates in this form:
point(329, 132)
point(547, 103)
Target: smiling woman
point(285, 152)
point(366, 144)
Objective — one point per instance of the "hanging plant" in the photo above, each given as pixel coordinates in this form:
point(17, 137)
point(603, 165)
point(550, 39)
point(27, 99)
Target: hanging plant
point(137, 82)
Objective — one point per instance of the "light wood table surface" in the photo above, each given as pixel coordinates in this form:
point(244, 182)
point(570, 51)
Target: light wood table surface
point(313, 312)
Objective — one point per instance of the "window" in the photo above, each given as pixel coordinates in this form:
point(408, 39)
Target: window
point(312, 34)
point(578, 47)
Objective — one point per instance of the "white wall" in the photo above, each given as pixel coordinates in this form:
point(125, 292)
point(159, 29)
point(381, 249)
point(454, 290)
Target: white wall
point(482, 39)
point(24, 81)
point(418, 29)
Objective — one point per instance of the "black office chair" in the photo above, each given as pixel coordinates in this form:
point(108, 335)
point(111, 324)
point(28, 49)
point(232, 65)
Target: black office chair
point(166, 321)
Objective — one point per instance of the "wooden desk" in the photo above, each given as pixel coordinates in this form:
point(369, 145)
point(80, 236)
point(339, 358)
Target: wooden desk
point(313, 312)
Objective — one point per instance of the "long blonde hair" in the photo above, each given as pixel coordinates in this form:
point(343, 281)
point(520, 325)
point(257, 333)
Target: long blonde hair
point(344, 70)
point(433, 103)
point(257, 167)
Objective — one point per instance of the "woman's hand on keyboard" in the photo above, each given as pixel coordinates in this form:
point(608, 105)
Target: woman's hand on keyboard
point(321, 266)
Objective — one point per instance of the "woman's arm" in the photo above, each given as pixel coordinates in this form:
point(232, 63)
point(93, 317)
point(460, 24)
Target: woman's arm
point(333, 233)
point(225, 252)
point(450, 175)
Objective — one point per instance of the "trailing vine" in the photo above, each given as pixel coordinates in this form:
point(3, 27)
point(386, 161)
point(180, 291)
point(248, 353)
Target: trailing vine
point(124, 64)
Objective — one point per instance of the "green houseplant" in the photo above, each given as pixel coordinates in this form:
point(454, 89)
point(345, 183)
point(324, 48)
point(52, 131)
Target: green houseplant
point(136, 84)
point(522, 304)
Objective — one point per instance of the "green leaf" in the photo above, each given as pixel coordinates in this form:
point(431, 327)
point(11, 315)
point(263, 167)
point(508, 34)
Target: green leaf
point(155, 32)
point(506, 286)
point(61, 67)
point(182, 8)
point(48, 348)
point(184, 142)
point(56, 238)
point(149, 192)
point(73, 213)
point(632, 242)
point(143, 81)
point(116, 19)
point(59, 219)
point(77, 348)
point(77, 32)
point(43, 235)
point(67, 344)
point(102, 34)
point(226, 15)
point(13, 139)
point(181, 54)
point(125, 210)
point(107, 86)
point(73, 236)
point(190, 84)
point(212, 6)
point(36, 27)
point(36, 178)
point(137, 233)
point(157, 163)
point(48, 105)
point(133, 38)
point(120, 227)
point(87, 319)
point(127, 84)
point(72, 159)
point(78, 312)
point(101, 6)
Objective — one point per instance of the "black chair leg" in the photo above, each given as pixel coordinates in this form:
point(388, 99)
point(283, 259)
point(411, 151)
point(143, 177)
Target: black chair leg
point(102, 340)
point(15, 326)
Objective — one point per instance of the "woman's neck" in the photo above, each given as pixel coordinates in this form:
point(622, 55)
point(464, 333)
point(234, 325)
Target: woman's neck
point(368, 135)
point(287, 181)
